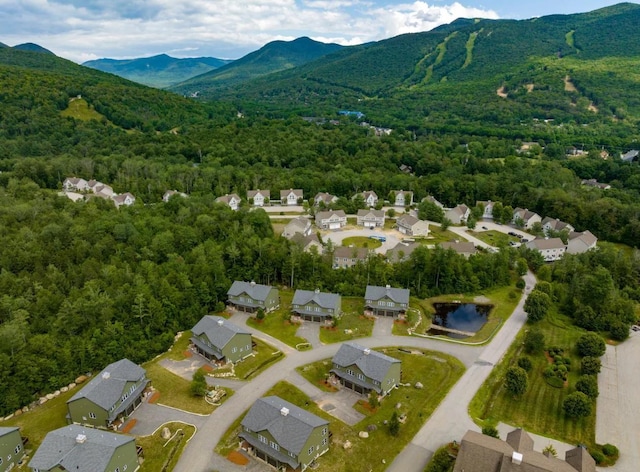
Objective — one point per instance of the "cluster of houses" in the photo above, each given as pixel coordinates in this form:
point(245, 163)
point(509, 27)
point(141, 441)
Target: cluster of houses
point(77, 188)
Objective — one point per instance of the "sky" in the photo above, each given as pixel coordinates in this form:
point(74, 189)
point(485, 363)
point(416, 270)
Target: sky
point(82, 30)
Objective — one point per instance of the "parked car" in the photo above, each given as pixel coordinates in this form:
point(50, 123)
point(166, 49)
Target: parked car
point(511, 233)
point(484, 227)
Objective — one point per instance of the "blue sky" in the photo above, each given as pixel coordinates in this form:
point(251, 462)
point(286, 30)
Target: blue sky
point(89, 29)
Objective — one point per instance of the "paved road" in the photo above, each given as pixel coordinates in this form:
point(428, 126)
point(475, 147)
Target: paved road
point(393, 237)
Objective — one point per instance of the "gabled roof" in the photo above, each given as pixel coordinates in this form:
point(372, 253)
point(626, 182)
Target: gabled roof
point(106, 388)
point(398, 295)
point(520, 440)
point(217, 330)
point(228, 198)
point(542, 244)
point(524, 213)
point(369, 193)
point(256, 291)
point(323, 299)
point(290, 431)
point(296, 191)
point(325, 197)
point(253, 193)
point(407, 221)
point(630, 156)
point(555, 224)
point(61, 448)
point(4, 430)
point(462, 247)
point(351, 252)
point(393, 255)
point(372, 364)
point(325, 215)
point(371, 213)
point(122, 197)
point(305, 241)
point(406, 193)
point(586, 237)
point(433, 200)
point(300, 222)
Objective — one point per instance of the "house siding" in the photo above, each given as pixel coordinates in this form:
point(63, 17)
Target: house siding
point(385, 305)
point(82, 410)
point(125, 455)
point(9, 442)
point(238, 348)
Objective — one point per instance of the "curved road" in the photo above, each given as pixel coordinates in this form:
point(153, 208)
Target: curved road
point(450, 420)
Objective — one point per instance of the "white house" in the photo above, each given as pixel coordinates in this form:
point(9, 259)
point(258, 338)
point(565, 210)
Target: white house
point(487, 208)
point(370, 198)
point(124, 199)
point(402, 198)
point(325, 198)
point(232, 200)
point(433, 200)
point(412, 226)
point(331, 219)
point(371, 218)
point(528, 218)
point(581, 242)
point(291, 196)
point(553, 224)
point(300, 225)
point(75, 183)
point(458, 215)
point(552, 249)
point(259, 197)
point(170, 193)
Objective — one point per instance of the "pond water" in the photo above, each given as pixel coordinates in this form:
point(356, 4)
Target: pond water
point(467, 317)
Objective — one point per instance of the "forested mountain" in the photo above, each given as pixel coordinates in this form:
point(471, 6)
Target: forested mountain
point(32, 48)
point(274, 56)
point(158, 71)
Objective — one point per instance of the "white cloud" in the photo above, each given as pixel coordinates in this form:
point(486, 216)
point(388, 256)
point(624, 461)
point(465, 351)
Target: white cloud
point(89, 29)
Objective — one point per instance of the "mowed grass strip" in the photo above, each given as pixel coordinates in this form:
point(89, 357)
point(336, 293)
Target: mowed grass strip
point(351, 325)
point(159, 452)
point(362, 241)
point(539, 410)
point(264, 356)
point(277, 322)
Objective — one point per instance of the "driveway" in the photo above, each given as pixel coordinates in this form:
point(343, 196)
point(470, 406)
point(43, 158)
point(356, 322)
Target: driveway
point(150, 417)
point(383, 326)
point(392, 237)
point(310, 330)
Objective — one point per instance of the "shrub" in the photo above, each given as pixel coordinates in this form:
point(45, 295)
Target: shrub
point(588, 384)
point(598, 457)
point(533, 341)
point(394, 424)
point(490, 430)
point(525, 363)
point(590, 344)
point(441, 461)
point(577, 405)
point(590, 365)
point(619, 331)
point(610, 450)
point(516, 381)
point(521, 284)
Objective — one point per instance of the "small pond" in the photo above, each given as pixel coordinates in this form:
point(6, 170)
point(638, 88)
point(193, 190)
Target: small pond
point(468, 317)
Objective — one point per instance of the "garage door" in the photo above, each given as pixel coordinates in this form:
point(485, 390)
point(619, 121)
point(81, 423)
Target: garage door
point(334, 225)
point(369, 224)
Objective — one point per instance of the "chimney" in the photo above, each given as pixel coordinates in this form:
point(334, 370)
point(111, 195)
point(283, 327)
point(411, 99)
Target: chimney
point(220, 322)
point(284, 411)
point(317, 290)
point(516, 458)
point(106, 375)
point(367, 351)
point(253, 282)
point(81, 438)
point(388, 286)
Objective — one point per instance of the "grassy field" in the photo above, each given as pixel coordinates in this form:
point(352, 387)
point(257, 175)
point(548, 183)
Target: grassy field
point(362, 241)
point(540, 408)
point(436, 371)
point(437, 236)
point(352, 319)
point(159, 452)
point(277, 322)
point(79, 109)
point(495, 238)
point(317, 373)
point(265, 355)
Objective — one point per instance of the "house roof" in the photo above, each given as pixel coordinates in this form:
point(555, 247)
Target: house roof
point(323, 299)
point(351, 252)
point(228, 198)
point(555, 224)
point(369, 193)
point(630, 156)
point(296, 191)
point(520, 440)
point(372, 364)
point(460, 209)
point(61, 447)
point(4, 430)
point(290, 431)
point(300, 223)
point(462, 247)
point(407, 221)
point(325, 197)
point(217, 330)
point(545, 243)
point(106, 388)
point(325, 215)
point(432, 199)
point(398, 295)
point(393, 255)
point(587, 237)
point(122, 197)
point(406, 193)
point(256, 291)
point(305, 241)
point(253, 193)
point(371, 213)
point(524, 213)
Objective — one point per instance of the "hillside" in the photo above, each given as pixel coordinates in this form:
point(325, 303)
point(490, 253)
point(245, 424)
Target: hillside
point(158, 71)
point(561, 67)
point(32, 48)
point(273, 57)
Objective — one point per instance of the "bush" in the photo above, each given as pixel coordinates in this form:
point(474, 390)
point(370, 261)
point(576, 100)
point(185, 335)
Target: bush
point(198, 384)
point(516, 381)
point(619, 331)
point(441, 461)
point(521, 284)
point(610, 450)
point(533, 341)
point(490, 431)
point(525, 363)
point(555, 351)
point(394, 424)
point(577, 405)
point(590, 344)
point(588, 384)
point(598, 457)
point(590, 365)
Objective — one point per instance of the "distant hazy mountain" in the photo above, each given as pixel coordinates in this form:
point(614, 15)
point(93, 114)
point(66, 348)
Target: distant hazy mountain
point(157, 71)
point(273, 57)
point(2, 45)
point(33, 48)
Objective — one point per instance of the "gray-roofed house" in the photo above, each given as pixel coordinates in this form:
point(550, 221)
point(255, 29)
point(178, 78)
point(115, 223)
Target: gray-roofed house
point(581, 242)
point(259, 197)
point(306, 243)
point(314, 305)
point(293, 196)
point(525, 217)
point(412, 226)
point(554, 224)
point(75, 183)
point(231, 200)
point(300, 225)
point(125, 199)
point(284, 435)
point(370, 198)
point(219, 339)
point(112, 394)
point(324, 198)
point(401, 198)
point(630, 156)
point(458, 214)
point(345, 257)
point(170, 193)
point(11, 448)
point(333, 219)
point(481, 453)
point(401, 251)
point(363, 370)
point(463, 248)
point(250, 297)
point(79, 449)
point(371, 218)
point(552, 249)
point(433, 200)
point(596, 184)
point(386, 301)
point(487, 208)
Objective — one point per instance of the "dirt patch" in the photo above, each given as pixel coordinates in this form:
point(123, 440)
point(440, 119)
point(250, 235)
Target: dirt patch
point(548, 357)
point(187, 354)
point(367, 406)
point(237, 458)
point(207, 368)
point(593, 108)
point(129, 426)
point(501, 93)
point(328, 385)
point(154, 397)
point(568, 85)
point(530, 87)
point(481, 299)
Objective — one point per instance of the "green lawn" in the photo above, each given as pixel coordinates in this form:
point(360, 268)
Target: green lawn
point(437, 236)
point(361, 241)
point(80, 110)
point(264, 356)
point(495, 238)
point(317, 373)
point(352, 323)
point(159, 452)
point(277, 322)
point(540, 408)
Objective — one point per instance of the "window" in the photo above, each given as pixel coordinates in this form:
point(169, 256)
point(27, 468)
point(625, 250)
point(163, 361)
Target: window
point(324, 441)
point(350, 372)
point(274, 445)
point(291, 454)
point(263, 439)
point(324, 431)
point(125, 467)
point(310, 451)
point(17, 449)
point(360, 376)
point(92, 415)
point(117, 469)
point(248, 347)
point(234, 349)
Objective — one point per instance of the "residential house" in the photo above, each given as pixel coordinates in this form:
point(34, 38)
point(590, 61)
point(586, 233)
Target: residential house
point(412, 226)
point(402, 198)
point(386, 301)
point(433, 200)
point(307, 242)
point(11, 448)
point(487, 208)
point(344, 257)
point(458, 215)
point(464, 248)
point(594, 183)
point(170, 193)
point(259, 197)
point(481, 453)
point(100, 189)
point(300, 225)
point(314, 305)
point(370, 198)
point(525, 217)
point(581, 242)
point(630, 156)
point(111, 395)
point(291, 197)
point(401, 251)
point(284, 435)
point(552, 249)
point(124, 199)
point(553, 224)
point(79, 449)
point(250, 297)
point(231, 200)
point(333, 219)
point(371, 218)
point(405, 169)
point(324, 198)
point(219, 339)
point(75, 184)
point(363, 370)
